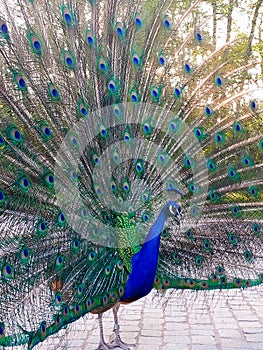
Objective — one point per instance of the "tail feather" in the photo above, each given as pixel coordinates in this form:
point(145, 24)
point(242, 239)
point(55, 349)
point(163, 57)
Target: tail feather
point(108, 112)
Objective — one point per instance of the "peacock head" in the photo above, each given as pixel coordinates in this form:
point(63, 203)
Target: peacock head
point(173, 210)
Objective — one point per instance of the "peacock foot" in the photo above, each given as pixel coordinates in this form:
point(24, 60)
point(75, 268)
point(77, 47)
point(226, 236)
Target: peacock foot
point(120, 344)
point(103, 346)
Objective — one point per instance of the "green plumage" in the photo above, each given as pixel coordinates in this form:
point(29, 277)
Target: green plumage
point(129, 240)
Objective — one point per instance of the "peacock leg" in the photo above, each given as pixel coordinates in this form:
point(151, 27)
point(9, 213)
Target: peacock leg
point(102, 344)
point(118, 342)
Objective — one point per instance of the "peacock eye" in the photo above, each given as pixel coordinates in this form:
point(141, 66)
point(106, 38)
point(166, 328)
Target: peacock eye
point(187, 68)
point(3, 27)
point(43, 328)
point(199, 37)
point(90, 38)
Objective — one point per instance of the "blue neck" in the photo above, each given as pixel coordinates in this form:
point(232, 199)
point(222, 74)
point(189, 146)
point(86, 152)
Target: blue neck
point(157, 227)
point(144, 263)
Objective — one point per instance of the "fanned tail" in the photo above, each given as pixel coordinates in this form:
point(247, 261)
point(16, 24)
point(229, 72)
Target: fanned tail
point(105, 107)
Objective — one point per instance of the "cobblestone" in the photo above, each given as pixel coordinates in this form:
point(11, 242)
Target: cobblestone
point(226, 320)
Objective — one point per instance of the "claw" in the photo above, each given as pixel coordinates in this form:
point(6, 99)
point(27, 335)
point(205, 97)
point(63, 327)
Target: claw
point(120, 344)
point(103, 346)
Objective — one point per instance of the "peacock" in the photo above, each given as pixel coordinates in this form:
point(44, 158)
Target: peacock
point(131, 158)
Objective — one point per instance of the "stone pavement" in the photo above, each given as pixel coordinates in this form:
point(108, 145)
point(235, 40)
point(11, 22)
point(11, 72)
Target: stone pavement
point(227, 320)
